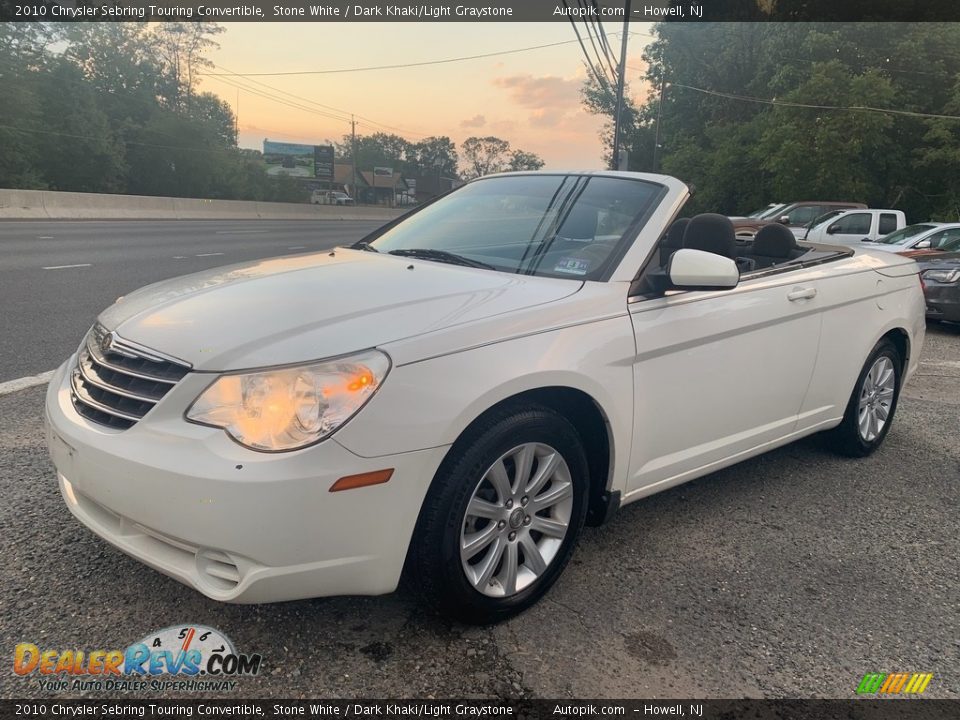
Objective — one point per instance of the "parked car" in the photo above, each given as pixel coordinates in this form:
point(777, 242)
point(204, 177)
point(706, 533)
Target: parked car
point(851, 227)
point(947, 245)
point(921, 236)
point(761, 214)
point(460, 391)
point(795, 216)
point(330, 197)
point(941, 285)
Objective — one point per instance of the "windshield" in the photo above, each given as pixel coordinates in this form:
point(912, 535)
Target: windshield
point(901, 236)
point(766, 211)
point(816, 222)
point(569, 226)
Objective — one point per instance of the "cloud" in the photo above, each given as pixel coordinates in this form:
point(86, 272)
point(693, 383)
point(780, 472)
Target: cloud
point(548, 92)
point(550, 99)
point(476, 121)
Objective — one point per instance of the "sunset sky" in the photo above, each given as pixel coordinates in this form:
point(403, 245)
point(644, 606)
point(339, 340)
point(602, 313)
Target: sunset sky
point(530, 98)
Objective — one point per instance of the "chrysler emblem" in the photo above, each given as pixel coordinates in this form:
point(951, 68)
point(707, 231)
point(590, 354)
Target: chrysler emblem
point(106, 343)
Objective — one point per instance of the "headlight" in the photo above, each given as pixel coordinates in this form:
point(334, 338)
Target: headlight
point(943, 276)
point(290, 407)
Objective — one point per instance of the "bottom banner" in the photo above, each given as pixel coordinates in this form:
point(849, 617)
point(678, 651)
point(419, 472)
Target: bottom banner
point(525, 709)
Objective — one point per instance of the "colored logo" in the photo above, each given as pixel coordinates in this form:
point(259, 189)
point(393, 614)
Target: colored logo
point(187, 651)
point(894, 683)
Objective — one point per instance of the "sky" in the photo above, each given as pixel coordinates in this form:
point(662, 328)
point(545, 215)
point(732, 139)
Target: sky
point(531, 99)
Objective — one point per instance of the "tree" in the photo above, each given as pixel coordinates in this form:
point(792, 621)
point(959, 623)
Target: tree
point(78, 150)
point(521, 160)
point(181, 46)
point(377, 150)
point(485, 155)
point(433, 155)
point(736, 120)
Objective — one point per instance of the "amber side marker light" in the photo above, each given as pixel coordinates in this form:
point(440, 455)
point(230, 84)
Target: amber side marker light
point(349, 482)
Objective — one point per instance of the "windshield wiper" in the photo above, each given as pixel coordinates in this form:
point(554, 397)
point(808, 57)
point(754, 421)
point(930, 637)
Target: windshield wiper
point(364, 245)
point(441, 256)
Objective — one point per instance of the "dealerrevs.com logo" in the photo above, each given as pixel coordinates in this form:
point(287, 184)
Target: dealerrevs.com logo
point(177, 658)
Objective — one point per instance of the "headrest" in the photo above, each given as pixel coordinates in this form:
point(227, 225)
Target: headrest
point(775, 241)
point(674, 238)
point(711, 233)
point(580, 223)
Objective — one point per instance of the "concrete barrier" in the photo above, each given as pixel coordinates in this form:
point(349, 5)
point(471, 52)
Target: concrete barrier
point(50, 205)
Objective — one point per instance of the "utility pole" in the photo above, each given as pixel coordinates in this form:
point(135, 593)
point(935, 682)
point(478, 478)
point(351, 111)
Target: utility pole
point(236, 121)
point(617, 125)
point(353, 154)
point(656, 137)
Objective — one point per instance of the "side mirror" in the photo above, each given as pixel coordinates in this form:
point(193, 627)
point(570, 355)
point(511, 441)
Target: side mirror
point(784, 220)
point(833, 229)
point(690, 269)
point(922, 245)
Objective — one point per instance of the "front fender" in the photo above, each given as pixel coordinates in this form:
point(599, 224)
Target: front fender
point(430, 403)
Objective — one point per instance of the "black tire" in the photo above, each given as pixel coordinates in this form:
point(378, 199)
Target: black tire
point(846, 438)
point(434, 562)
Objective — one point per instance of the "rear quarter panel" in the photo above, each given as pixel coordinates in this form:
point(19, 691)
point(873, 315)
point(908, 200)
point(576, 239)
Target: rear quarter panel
point(862, 298)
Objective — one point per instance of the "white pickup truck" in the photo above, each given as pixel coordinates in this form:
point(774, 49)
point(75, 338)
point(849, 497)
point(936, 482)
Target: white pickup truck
point(851, 227)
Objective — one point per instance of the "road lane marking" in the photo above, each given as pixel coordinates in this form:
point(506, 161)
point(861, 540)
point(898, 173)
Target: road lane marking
point(12, 386)
point(240, 232)
point(297, 247)
point(179, 257)
point(208, 254)
point(64, 267)
point(44, 237)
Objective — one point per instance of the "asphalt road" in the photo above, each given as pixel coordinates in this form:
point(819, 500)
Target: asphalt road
point(789, 575)
point(56, 277)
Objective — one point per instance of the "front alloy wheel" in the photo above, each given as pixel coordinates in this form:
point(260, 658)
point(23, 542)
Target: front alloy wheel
point(516, 520)
point(502, 516)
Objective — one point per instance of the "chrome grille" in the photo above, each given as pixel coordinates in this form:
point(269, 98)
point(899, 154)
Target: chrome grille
point(116, 382)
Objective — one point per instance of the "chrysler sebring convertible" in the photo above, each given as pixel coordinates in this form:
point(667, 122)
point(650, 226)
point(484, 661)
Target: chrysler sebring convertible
point(453, 397)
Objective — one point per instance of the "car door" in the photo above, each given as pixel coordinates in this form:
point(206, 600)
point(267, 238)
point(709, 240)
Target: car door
point(719, 373)
point(935, 240)
point(850, 229)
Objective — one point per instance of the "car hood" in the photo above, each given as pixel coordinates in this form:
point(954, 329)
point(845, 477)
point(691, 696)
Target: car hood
point(306, 307)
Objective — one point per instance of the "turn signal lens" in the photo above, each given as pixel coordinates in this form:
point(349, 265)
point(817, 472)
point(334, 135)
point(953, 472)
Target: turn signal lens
point(290, 408)
point(362, 480)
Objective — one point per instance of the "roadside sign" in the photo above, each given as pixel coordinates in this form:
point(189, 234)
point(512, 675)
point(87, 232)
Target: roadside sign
point(323, 162)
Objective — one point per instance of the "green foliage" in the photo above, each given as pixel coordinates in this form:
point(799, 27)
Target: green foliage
point(740, 152)
point(429, 156)
point(115, 109)
point(486, 155)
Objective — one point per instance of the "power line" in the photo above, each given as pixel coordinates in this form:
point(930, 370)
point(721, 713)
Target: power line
point(602, 80)
point(593, 43)
point(423, 63)
point(405, 65)
point(347, 114)
point(786, 103)
point(602, 38)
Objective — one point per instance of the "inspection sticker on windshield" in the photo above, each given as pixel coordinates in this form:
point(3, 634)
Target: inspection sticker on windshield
point(572, 265)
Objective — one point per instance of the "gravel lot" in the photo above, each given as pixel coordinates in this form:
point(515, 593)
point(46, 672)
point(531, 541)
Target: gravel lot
point(789, 575)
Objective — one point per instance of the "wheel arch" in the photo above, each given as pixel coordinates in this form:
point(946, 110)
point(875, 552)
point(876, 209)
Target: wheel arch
point(901, 339)
point(593, 426)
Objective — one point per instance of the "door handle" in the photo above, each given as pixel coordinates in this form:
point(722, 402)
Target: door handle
point(801, 294)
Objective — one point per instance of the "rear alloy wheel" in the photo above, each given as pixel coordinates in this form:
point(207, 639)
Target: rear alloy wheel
point(872, 404)
point(502, 516)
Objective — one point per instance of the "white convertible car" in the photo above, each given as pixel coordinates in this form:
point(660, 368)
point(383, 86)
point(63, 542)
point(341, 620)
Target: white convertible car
point(455, 395)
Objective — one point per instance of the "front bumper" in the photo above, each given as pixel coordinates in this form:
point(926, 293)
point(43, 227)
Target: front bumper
point(943, 301)
point(237, 525)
